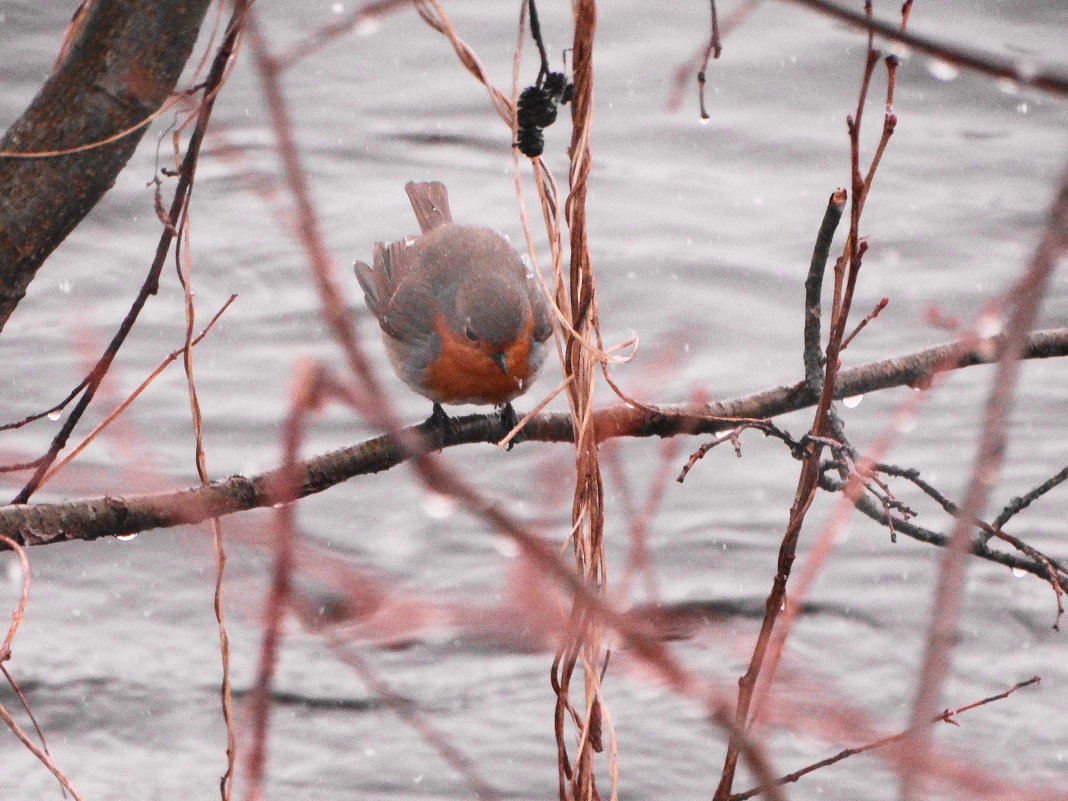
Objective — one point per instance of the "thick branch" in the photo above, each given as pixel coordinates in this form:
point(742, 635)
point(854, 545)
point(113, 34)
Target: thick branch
point(92, 518)
point(119, 69)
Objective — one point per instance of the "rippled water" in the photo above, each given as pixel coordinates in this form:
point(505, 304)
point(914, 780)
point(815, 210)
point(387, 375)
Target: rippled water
point(700, 236)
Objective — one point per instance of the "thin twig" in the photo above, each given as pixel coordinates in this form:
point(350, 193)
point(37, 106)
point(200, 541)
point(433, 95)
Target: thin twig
point(111, 416)
point(682, 74)
point(42, 753)
point(307, 393)
point(767, 648)
point(42, 756)
point(1018, 504)
point(713, 50)
point(943, 717)
point(1017, 70)
point(882, 304)
point(38, 415)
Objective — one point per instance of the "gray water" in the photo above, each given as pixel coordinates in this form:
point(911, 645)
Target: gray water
point(700, 237)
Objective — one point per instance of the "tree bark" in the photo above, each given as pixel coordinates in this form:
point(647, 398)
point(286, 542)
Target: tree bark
point(120, 66)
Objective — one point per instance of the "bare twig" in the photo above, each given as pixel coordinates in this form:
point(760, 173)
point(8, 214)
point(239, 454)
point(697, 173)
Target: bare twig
point(1020, 503)
point(866, 506)
point(42, 756)
point(182, 256)
point(1020, 72)
point(42, 753)
point(946, 716)
point(713, 50)
point(683, 74)
point(733, 436)
point(867, 319)
point(766, 649)
point(306, 394)
point(113, 415)
point(38, 415)
point(1055, 571)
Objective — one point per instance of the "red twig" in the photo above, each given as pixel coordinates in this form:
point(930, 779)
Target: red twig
point(1020, 72)
point(42, 752)
point(946, 716)
point(696, 63)
point(333, 308)
point(308, 387)
point(847, 269)
point(870, 316)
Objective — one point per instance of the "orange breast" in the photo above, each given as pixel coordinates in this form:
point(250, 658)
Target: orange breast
point(464, 373)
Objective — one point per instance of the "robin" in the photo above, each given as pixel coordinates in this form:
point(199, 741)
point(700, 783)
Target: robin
point(461, 315)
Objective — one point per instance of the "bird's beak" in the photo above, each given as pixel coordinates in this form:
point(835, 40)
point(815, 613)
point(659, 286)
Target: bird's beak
point(498, 359)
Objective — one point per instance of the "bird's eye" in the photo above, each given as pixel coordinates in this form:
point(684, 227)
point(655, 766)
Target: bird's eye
point(470, 334)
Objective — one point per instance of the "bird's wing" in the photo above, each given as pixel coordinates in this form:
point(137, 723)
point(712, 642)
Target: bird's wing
point(376, 282)
point(394, 264)
point(539, 308)
point(397, 292)
point(409, 316)
point(430, 202)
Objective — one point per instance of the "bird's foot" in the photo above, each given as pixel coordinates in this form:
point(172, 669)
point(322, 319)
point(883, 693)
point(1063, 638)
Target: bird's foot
point(439, 422)
point(508, 422)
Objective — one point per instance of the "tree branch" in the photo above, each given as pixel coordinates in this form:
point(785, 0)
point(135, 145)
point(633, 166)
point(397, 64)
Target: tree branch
point(120, 68)
point(1048, 79)
point(91, 518)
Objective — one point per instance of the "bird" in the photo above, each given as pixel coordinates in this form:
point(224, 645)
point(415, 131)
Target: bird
point(462, 317)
